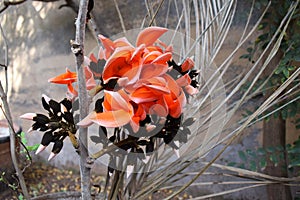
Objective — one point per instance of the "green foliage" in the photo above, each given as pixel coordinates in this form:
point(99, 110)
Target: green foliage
point(27, 148)
point(20, 197)
point(25, 142)
point(256, 159)
point(290, 54)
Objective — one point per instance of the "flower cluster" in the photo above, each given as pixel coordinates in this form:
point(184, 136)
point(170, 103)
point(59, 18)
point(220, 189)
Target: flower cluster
point(142, 89)
point(137, 81)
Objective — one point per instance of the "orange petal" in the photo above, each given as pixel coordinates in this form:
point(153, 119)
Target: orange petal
point(121, 42)
point(191, 90)
point(87, 120)
point(117, 65)
point(101, 54)
point(163, 59)
point(172, 85)
point(184, 80)
point(112, 119)
point(187, 65)
point(90, 81)
point(93, 58)
point(153, 70)
point(107, 43)
point(149, 35)
point(138, 52)
point(115, 101)
point(133, 74)
point(142, 94)
point(149, 57)
point(66, 78)
point(71, 90)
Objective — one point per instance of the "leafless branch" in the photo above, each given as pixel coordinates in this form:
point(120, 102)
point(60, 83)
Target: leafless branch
point(78, 50)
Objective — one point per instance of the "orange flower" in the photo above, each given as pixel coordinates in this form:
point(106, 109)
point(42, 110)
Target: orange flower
point(126, 61)
point(69, 78)
point(66, 78)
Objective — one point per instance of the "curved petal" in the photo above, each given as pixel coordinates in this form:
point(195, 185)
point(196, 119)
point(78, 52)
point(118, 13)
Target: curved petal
point(187, 65)
point(138, 52)
point(87, 120)
point(191, 90)
point(152, 70)
point(117, 65)
point(172, 85)
point(101, 54)
point(112, 119)
point(163, 59)
point(93, 58)
point(66, 78)
point(184, 80)
point(149, 57)
point(142, 94)
point(121, 42)
point(90, 81)
point(176, 107)
point(28, 116)
point(107, 44)
point(115, 101)
point(149, 35)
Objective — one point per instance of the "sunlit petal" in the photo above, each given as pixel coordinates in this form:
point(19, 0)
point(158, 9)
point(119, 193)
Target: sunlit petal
point(163, 59)
point(115, 101)
point(121, 42)
point(112, 119)
point(87, 120)
point(149, 35)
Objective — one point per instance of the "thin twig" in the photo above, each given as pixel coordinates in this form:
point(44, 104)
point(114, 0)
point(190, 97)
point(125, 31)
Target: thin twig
point(5, 58)
point(153, 17)
point(13, 143)
point(120, 16)
point(112, 147)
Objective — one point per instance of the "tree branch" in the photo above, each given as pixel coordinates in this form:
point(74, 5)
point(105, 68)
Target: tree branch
point(78, 50)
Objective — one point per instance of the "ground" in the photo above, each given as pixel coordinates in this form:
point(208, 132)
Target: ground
point(42, 178)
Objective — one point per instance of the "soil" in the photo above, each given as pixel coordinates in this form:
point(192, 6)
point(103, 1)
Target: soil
point(42, 178)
